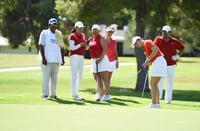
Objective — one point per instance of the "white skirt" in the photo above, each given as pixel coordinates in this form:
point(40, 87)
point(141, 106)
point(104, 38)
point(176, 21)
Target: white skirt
point(112, 66)
point(159, 67)
point(102, 66)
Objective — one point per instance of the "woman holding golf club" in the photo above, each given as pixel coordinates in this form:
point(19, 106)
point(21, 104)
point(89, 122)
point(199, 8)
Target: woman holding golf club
point(155, 56)
point(111, 51)
point(77, 42)
point(100, 63)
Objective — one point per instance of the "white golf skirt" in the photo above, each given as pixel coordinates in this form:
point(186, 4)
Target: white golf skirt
point(112, 66)
point(159, 67)
point(102, 66)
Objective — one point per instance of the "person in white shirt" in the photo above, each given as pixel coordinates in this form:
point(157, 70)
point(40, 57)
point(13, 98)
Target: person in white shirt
point(51, 51)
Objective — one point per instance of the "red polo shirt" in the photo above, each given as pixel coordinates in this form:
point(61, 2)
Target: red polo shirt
point(95, 47)
point(168, 48)
point(111, 48)
point(77, 39)
point(148, 44)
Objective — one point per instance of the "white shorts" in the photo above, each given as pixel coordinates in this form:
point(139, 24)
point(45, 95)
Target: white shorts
point(112, 66)
point(102, 66)
point(159, 67)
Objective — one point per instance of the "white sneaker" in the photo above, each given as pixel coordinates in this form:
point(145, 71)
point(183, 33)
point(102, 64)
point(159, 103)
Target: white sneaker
point(106, 98)
point(98, 97)
point(158, 106)
point(153, 106)
point(168, 102)
point(44, 97)
point(77, 98)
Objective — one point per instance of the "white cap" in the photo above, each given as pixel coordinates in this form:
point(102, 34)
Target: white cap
point(109, 29)
point(53, 21)
point(166, 28)
point(79, 24)
point(95, 26)
point(134, 39)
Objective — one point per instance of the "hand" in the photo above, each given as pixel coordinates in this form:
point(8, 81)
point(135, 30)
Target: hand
point(44, 61)
point(175, 57)
point(146, 63)
point(63, 62)
point(98, 60)
point(117, 65)
point(83, 44)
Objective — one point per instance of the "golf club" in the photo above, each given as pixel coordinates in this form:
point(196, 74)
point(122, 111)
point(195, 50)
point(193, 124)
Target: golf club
point(144, 84)
point(97, 77)
point(139, 70)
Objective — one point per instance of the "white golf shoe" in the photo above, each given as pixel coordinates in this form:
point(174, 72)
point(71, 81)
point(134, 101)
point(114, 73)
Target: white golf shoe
point(98, 97)
point(106, 98)
point(153, 106)
point(77, 98)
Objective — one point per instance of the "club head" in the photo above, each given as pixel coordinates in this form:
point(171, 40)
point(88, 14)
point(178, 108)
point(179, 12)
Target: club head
point(139, 71)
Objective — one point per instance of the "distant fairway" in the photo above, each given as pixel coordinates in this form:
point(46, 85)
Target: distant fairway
point(22, 109)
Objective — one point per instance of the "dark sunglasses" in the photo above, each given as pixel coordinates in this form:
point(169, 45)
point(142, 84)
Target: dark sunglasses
point(54, 24)
point(164, 32)
point(80, 28)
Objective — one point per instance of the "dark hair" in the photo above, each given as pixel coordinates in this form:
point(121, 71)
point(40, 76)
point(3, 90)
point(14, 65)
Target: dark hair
point(73, 30)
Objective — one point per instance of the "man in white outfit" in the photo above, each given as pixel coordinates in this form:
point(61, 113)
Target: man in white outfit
point(172, 50)
point(51, 51)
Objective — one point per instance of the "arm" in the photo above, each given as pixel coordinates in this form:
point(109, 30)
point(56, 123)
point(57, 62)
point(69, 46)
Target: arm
point(62, 53)
point(116, 56)
point(104, 48)
point(153, 53)
point(41, 48)
point(75, 47)
point(181, 52)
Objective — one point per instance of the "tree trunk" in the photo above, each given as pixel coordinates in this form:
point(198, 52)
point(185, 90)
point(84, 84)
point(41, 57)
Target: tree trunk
point(140, 57)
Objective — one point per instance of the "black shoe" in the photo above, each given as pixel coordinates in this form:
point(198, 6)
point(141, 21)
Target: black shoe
point(54, 97)
point(45, 97)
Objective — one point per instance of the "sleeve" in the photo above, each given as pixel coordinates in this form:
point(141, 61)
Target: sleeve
point(73, 46)
point(178, 45)
point(42, 38)
point(156, 41)
point(148, 47)
point(84, 37)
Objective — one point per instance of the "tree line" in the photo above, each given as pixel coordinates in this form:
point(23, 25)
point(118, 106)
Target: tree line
point(22, 19)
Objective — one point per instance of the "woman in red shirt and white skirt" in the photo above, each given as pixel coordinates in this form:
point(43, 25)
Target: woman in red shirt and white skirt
point(97, 48)
point(155, 56)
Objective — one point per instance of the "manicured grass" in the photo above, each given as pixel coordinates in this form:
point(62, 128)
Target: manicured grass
point(90, 118)
point(21, 107)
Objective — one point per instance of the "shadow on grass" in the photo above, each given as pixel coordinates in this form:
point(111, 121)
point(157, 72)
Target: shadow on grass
point(61, 101)
point(186, 95)
point(83, 102)
point(117, 94)
point(179, 95)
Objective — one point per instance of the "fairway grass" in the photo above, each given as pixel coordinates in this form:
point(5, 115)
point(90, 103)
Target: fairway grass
point(22, 109)
point(95, 118)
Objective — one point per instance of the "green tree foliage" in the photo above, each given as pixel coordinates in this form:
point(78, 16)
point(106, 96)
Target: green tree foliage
point(24, 18)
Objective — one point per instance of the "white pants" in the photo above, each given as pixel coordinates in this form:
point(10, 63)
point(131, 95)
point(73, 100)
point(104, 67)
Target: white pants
point(49, 76)
point(169, 83)
point(76, 64)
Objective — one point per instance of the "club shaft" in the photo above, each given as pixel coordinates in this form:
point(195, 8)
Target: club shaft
point(144, 84)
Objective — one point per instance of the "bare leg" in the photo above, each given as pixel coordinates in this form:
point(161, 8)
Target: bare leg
point(154, 89)
point(105, 77)
point(110, 75)
point(100, 84)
